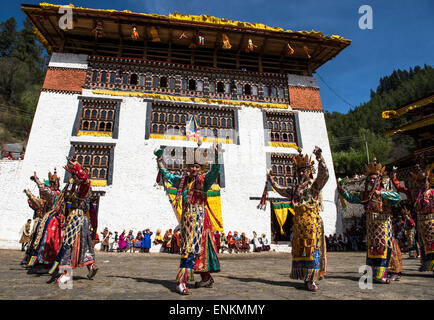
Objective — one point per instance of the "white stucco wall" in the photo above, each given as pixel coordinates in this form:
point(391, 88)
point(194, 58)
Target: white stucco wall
point(132, 201)
point(313, 131)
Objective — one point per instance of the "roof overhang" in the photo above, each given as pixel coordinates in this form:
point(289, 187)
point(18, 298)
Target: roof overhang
point(117, 27)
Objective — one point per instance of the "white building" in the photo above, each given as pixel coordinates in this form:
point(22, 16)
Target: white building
point(113, 104)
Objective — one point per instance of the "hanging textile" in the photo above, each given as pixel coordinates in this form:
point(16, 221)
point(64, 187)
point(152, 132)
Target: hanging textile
point(200, 39)
point(192, 129)
point(281, 209)
point(134, 34)
point(154, 34)
point(226, 43)
point(290, 50)
point(306, 49)
point(263, 203)
point(182, 36)
point(250, 46)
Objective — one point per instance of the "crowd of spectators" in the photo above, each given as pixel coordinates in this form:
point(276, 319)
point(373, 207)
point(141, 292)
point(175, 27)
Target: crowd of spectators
point(170, 241)
point(353, 239)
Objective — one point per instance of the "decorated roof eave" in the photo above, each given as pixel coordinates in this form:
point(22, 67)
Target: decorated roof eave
point(394, 114)
point(334, 43)
point(202, 20)
point(411, 126)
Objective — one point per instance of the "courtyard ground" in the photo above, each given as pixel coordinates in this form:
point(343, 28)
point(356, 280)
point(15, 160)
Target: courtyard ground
point(243, 276)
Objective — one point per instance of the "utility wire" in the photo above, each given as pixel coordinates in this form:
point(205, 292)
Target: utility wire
point(332, 90)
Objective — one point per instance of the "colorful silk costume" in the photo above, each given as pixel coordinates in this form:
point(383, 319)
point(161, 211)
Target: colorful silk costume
point(309, 257)
point(49, 232)
point(379, 233)
point(77, 247)
point(197, 245)
point(308, 245)
point(423, 198)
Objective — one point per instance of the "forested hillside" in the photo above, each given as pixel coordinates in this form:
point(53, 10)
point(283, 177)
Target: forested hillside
point(22, 70)
point(347, 132)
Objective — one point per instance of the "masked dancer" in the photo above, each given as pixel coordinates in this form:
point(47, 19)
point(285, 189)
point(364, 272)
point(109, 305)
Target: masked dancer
point(377, 203)
point(77, 247)
point(197, 244)
point(421, 195)
point(308, 245)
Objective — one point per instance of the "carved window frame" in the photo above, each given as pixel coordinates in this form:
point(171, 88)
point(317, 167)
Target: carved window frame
point(102, 107)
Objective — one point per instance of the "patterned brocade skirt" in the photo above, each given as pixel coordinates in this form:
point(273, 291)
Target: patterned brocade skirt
point(379, 243)
point(197, 244)
point(77, 247)
point(425, 228)
point(309, 257)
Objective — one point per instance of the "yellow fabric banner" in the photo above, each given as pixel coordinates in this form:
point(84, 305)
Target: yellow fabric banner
point(281, 211)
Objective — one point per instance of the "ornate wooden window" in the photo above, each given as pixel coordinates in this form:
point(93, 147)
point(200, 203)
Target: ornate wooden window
point(227, 88)
point(282, 169)
point(112, 77)
point(96, 159)
point(134, 79)
point(125, 79)
point(239, 89)
point(192, 84)
point(175, 157)
point(163, 82)
point(281, 128)
point(234, 85)
point(220, 87)
point(170, 119)
point(142, 80)
point(154, 82)
point(98, 117)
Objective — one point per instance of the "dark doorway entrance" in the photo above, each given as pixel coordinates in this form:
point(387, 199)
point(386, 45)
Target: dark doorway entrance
point(276, 236)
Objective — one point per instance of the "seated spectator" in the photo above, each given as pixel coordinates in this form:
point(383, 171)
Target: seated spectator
point(265, 244)
point(167, 244)
point(130, 241)
point(223, 242)
point(158, 237)
point(237, 240)
point(122, 244)
point(175, 242)
point(245, 247)
point(217, 241)
point(138, 242)
point(230, 242)
point(257, 246)
point(105, 239)
point(114, 246)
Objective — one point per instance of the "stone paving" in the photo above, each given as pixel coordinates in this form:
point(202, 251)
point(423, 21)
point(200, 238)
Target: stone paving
point(244, 276)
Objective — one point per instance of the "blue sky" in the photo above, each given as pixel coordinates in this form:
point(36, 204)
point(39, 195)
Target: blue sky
point(402, 34)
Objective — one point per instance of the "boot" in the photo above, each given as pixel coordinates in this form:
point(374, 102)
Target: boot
point(182, 289)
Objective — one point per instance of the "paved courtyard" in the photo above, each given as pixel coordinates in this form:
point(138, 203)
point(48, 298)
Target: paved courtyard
point(243, 277)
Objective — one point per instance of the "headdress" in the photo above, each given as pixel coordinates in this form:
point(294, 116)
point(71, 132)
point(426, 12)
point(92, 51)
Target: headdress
point(375, 168)
point(53, 180)
point(304, 162)
point(75, 169)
